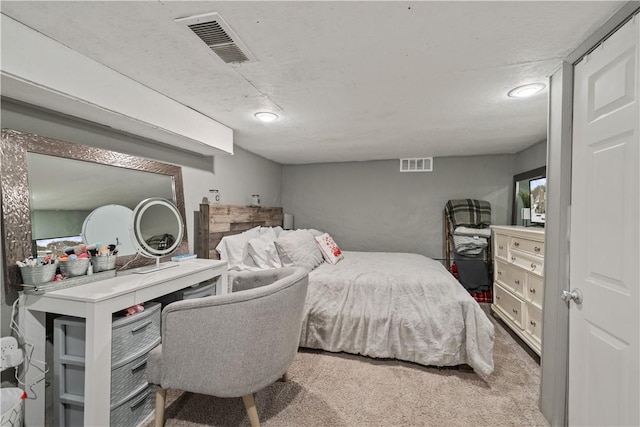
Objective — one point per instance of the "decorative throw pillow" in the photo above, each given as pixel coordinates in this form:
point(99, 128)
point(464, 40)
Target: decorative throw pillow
point(330, 250)
point(298, 248)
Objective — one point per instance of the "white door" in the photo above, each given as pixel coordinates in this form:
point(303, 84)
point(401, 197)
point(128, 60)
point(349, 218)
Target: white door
point(604, 362)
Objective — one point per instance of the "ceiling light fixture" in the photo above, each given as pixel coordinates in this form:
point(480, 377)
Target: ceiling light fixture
point(526, 90)
point(265, 116)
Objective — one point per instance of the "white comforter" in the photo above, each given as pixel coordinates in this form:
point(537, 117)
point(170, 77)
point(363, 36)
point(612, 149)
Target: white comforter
point(396, 305)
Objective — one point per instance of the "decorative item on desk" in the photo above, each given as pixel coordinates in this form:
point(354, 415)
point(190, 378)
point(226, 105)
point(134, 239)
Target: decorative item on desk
point(73, 265)
point(287, 222)
point(255, 200)
point(183, 257)
point(35, 271)
point(103, 263)
point(526, 215)
point(215, 196)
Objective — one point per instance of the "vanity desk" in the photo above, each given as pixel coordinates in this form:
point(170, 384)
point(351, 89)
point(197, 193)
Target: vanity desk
point(96, 302)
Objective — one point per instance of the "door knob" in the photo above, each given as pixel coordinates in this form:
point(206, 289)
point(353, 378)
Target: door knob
point(575, 295)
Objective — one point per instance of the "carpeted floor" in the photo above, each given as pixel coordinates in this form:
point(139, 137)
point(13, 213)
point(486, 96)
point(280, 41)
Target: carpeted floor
point(326, 389)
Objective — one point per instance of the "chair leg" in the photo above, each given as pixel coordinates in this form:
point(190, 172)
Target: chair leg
point(161, 395)
point(252, 411)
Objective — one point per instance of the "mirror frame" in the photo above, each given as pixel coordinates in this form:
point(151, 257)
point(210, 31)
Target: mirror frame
point(15, 203)
point(534, 173)
point(137, 237)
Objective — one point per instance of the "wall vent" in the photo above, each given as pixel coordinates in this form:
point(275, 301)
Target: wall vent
point(416, 164)
point(218, 36)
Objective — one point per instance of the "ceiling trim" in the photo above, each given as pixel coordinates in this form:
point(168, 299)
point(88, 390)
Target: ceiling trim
point(38, 70)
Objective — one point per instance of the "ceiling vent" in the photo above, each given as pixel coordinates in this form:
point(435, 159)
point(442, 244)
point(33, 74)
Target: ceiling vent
point(419, 164)
point(218, 36)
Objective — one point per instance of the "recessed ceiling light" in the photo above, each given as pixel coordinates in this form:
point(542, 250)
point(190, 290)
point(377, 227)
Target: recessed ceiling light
point(265, 116)
point(526, 90)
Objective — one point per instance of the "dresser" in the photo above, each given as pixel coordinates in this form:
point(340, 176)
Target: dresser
point(518, 265)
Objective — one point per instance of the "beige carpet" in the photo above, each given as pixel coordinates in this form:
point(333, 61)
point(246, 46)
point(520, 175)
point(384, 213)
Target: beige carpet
point(326, 389)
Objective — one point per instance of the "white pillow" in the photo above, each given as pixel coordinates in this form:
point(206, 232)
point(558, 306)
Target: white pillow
point(234, 249)
point(277, 230)
point(263, 252)
point(299, 248)
point(315, 232)
point(330, 250)
point(268, 232)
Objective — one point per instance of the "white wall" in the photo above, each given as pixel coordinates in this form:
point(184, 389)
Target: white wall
point(371, 206)
point(237, 176)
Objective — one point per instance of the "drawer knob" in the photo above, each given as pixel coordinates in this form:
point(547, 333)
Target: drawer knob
point(500, 247)
point(533, 266)
point(517, 282)
point(516, 244)
point(532, 323)
point(532, 290)
point(515, 311)
point(513, 258)
point(536, 249)
point(499, 273)
point(498, 297)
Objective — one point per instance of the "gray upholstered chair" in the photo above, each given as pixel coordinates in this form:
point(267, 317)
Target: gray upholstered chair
point(231, 345)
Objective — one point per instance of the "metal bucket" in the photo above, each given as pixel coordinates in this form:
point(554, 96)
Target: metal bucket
point(74, 268)
point(37, 274)
point(103, 263)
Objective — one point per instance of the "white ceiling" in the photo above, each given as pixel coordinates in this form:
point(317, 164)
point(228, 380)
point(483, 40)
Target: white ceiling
point(350, 81)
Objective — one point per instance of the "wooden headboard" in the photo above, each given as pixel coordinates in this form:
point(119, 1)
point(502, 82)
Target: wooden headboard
point(217, 221)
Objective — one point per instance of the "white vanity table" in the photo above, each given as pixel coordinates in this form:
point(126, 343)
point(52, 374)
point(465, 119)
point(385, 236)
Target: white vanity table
point(96, 302)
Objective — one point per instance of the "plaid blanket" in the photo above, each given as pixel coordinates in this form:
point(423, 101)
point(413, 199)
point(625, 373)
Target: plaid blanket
point(469, 213)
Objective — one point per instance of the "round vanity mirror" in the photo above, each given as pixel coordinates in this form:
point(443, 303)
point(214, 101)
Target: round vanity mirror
point(110, 224)
point(158, 230)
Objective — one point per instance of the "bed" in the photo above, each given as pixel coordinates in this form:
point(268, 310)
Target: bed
point(382, 305)
point(396, 305)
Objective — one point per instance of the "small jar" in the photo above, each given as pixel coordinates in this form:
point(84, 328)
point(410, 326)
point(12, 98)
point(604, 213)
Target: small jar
point(215, 196)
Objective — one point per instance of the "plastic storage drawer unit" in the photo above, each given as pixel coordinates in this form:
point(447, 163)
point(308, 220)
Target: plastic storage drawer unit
point(133, 337)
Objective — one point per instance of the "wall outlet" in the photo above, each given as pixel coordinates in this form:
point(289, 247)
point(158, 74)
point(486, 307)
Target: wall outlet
point(10, 353)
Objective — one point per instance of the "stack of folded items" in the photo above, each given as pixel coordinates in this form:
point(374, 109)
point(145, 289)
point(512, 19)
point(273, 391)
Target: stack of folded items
point(469, 220)
point(470, 241)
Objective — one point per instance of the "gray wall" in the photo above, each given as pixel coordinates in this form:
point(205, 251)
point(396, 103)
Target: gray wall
point(372, 206)
point(531, 158)
point(237, 176)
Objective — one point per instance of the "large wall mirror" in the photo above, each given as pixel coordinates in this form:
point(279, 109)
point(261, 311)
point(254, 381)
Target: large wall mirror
point(49, 188)
point(522, 195)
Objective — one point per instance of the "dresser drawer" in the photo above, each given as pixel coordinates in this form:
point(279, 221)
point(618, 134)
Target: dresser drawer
point(129, 376)
point(509, 305)
point(535, 290)
point(501, 246)
point(532, 264)
point(199, 291)
point(135, 334)
point(529, 246)
point(135, 408)
point(534, 323)
point(510, 277)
